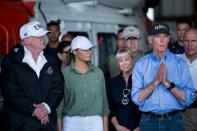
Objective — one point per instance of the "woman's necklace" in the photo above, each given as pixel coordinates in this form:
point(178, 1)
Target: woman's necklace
point(126, 92)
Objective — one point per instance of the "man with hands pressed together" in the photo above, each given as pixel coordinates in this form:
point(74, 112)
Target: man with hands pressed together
point(162, 85)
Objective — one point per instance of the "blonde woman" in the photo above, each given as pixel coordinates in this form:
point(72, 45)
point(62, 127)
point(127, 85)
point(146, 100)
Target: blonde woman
point(124, 114)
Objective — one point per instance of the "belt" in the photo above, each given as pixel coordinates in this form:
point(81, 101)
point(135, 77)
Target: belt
point(166, 115)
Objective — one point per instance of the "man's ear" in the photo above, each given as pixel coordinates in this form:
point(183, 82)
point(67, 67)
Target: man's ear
point(169, 37)
point(150, 39)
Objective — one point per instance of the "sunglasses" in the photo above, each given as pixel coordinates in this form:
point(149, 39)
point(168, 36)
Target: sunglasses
point(66, 52)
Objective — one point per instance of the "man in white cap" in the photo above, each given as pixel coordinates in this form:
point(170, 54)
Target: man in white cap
point(131, 35)
point(32, 84)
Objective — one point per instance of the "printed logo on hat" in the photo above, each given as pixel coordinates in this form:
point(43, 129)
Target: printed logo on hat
point(131, 29)
point(160, 27)
point(25, 34)
point(38, 26)
point(33, 28)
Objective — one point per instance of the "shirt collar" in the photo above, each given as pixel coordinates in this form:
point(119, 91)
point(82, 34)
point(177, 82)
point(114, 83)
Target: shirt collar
point(165, 57)
point(36, 66)
point(186, 59)
point(28, 53)
point(91, 67)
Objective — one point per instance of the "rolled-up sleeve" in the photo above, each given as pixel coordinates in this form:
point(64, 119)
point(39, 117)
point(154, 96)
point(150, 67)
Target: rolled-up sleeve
point(137, 84)
point(187, 86)
point(60, 109)
point(106, 110)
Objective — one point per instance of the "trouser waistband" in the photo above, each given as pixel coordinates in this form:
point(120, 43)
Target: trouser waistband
point(166, 115)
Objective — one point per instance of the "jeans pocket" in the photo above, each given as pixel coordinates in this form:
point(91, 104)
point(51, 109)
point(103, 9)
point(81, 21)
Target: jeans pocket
point(144, 118)
point(177, 118)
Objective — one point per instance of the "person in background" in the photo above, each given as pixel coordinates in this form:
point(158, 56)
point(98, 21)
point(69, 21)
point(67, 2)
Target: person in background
point(124, 114)
point(64, 59)
point(84, 106)
point(32, 84)
point(67, 37)
point(53, 38)
point(190, 56)
point(132, 37)
point(161, 85)
point(63, 53)
point(111, 65)
point(182, 25)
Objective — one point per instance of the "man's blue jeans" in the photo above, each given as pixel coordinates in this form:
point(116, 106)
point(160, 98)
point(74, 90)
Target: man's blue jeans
point(170, 123)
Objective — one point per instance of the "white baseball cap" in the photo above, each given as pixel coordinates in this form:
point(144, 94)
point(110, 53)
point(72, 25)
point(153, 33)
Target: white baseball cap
point(131, 31)
point(81, 42)
point(33, 28)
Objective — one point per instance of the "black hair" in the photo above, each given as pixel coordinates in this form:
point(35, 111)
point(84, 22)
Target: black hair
point(62, 45)
point(184, 20)
point(53, 23)
point(60, 49)
point(120, 30)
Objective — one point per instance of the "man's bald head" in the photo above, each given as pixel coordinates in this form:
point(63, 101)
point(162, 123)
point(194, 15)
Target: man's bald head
point(190, 43)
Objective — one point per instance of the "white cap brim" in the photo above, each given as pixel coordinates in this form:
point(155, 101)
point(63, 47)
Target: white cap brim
point(83, 48)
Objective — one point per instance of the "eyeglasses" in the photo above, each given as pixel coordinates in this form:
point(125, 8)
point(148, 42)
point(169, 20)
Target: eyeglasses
point(134, 39)
point(125, 99)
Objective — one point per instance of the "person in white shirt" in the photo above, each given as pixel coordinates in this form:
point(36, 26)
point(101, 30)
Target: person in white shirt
point(32, 84)
point(190, 56)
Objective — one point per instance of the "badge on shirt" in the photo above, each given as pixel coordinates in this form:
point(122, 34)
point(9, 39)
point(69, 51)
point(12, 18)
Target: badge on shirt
point(49, 70)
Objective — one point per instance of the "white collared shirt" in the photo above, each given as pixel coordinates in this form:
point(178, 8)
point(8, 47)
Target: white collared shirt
point(36, 66)
point(192, 67)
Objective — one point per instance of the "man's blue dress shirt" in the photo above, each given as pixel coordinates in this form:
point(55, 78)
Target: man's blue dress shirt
point(161, 100)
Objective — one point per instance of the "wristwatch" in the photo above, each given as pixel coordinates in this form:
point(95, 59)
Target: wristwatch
point(172, 85)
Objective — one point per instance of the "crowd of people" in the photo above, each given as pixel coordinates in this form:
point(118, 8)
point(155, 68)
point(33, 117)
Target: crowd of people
point(54, 86)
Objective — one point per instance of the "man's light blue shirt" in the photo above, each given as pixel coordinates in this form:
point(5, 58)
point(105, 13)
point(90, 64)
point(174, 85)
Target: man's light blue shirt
point(161, 99)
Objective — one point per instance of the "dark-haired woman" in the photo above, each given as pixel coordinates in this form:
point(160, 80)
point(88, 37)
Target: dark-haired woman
point(63, 53)
point(84, 106)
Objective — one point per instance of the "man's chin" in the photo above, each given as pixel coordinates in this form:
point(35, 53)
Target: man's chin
point(44, 46)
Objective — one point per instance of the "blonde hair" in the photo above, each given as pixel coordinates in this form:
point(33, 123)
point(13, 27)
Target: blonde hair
point(123, 51)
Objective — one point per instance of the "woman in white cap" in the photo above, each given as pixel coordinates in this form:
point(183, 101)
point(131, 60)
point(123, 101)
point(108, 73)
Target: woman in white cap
point(84, 106)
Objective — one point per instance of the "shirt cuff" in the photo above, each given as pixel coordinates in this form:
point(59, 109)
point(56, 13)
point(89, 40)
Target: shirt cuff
point(47, 106)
